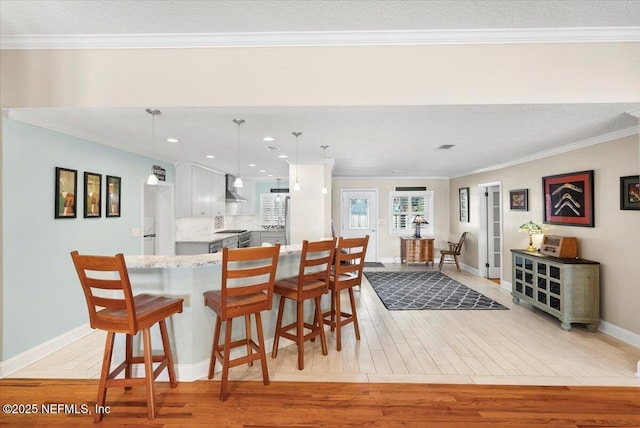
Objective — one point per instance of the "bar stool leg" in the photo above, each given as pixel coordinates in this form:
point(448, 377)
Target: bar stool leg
point(300, 333)
point(263, 353)
point(128, 359)
point(338, 318)
point(214, 347)
point(167, 354)
point(247, 327)
point(225, 360)
point(317, 321)
point(104, 375)
point(276, 336)
point(148, 373)
point(354, 315)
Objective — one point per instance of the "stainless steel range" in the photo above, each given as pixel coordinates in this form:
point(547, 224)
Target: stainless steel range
point(244, 236)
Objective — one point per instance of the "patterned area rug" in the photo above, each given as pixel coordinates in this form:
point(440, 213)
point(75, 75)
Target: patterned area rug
point(426, 290)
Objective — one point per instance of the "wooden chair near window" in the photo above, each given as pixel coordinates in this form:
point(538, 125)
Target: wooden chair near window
point(248, 277)
point(347, 273)
point(312, 282)
point(129, 315)
point(453, 251)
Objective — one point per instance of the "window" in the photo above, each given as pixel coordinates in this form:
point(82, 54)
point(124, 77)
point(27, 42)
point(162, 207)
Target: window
point(272, 208)
point(358, 213)
point(405, 206)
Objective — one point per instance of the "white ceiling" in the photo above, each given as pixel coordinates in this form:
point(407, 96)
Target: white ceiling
point(364, 141)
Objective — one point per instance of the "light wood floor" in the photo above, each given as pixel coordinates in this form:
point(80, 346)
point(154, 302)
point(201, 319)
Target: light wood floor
point(318, 404)
point(521, 346)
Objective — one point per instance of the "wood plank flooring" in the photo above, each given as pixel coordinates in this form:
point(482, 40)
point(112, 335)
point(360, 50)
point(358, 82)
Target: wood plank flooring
point(520, 346)
point(319, 404)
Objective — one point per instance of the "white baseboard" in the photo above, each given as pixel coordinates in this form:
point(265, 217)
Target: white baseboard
point(470, 269)
point(506, 285)
point(38, 352)
point(620, 333)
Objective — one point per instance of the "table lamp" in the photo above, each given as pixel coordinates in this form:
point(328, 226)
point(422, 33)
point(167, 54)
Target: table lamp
point(532, 229)
point(418, 220)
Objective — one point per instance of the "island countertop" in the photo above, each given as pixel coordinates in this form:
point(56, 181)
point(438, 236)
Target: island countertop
point(189, 261)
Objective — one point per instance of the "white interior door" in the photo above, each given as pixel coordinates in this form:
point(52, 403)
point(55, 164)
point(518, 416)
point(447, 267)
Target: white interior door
point(360, 217)
point(494, 228)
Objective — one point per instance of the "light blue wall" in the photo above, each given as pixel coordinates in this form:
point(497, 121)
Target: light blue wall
point(42, 297)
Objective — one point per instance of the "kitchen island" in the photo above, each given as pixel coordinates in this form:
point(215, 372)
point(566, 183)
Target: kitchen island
point(189, 276)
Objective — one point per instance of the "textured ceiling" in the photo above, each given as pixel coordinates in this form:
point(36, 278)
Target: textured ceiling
point(364, 141)
point(221, 16)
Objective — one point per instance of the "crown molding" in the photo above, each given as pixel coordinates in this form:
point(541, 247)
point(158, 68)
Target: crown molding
point(559, 150)
point(322, 38)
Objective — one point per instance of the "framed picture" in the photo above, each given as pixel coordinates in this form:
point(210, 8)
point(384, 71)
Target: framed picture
point(568, 199)
point(463, 198)
point(630, 192)
point(66, 191)
point(92, 195)
point(519, 200)
point(114, 196)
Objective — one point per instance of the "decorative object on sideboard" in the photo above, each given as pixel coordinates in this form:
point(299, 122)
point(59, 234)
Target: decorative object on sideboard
point(152, 180)
point(463, 200)
point(565, 247)
point(113, 198)
point(238, 181)
point(418, 220)
point(630, 192)
point(92, 195)
point(532, 229)
point(519, 200)
point(296, 186)
point(568, 199)
point(66, 191)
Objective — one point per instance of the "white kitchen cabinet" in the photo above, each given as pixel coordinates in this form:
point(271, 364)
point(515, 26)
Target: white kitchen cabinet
point(200, 192)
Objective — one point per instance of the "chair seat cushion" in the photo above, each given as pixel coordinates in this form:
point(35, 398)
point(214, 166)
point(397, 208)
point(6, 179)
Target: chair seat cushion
point(149, 310)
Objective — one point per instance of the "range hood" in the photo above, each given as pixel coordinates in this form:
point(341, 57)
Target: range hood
point(231, 195)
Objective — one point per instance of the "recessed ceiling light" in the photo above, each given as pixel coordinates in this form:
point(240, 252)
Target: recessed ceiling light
point(283, 156)
point(269, 175)
point(173, 140)
point(211, 157)
point(268, 139)
point(263, 170)
point(252, 164)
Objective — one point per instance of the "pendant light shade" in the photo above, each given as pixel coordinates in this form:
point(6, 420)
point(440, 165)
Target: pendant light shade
point(152, 180)
point(296, 186)
point(324, 188)
point(238, 181)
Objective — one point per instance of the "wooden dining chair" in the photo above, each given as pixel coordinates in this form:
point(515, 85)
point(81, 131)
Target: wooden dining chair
point(453, 251)
point(312, 282)
point(347, 273)
point(248, 277)
point(124, 313)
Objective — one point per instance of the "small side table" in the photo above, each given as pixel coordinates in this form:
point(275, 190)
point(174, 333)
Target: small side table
point(416, 250)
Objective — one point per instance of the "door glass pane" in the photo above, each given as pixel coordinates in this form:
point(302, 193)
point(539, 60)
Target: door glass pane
point(358, 213)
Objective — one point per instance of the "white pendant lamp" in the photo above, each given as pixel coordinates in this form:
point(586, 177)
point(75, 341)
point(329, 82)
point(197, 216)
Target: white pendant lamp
point(238, 181)
point(324, 150)
point(296, 186)
point(152, 180)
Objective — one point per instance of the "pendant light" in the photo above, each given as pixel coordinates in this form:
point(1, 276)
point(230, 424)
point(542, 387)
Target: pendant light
point(296, 186)
point(152, 180)
point(324, 150)
point(238, 181)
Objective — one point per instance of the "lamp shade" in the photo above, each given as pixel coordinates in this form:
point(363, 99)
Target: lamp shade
point(531, 228)
point(419, 220)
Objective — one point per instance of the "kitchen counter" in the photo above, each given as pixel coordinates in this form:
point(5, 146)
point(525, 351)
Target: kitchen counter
point(191, 332)
point(191, 261)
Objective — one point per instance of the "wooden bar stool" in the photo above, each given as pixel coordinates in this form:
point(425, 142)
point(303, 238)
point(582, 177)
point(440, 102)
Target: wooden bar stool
point(129, 315)
point(312, 282)
point(248, 277)
point(347, 273)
